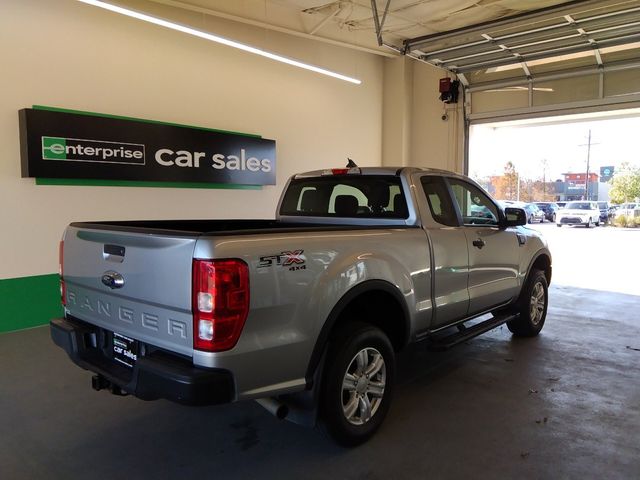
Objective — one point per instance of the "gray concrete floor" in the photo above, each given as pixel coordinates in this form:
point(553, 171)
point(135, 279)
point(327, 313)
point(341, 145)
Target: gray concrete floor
point(563, 405)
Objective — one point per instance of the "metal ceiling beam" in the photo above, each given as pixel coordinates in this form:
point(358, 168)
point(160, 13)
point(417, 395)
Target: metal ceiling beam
point(379, 24)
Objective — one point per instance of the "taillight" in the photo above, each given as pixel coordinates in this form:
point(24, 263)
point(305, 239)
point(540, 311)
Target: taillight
point(220, 303)
point(342, 171)
point(63, 288)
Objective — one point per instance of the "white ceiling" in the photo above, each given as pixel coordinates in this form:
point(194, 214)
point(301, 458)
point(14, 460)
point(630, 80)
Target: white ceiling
point(351, 21)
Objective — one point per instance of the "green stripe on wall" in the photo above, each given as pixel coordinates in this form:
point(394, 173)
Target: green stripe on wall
point(29, 301)
point(90, 182)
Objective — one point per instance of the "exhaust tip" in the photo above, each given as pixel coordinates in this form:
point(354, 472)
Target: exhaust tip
point(274, 407)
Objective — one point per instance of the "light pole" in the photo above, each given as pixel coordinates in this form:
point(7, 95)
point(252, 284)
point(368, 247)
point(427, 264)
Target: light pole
point(586, 183)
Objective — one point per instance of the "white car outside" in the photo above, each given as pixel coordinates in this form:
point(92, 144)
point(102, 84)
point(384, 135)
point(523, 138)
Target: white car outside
point(584, 213)
point(629, 209)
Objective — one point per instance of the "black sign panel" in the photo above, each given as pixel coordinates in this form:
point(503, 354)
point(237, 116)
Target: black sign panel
point(82, 146)
point(606, 173)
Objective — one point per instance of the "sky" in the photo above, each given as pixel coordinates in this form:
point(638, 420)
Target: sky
point(614, 140)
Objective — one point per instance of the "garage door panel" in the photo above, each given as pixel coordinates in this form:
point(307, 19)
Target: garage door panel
point(567, 90)
point(625, 82)
point(500, 99)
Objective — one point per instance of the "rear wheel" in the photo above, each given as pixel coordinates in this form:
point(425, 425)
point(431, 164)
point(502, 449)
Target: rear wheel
point(532, 306)
point(358, 381)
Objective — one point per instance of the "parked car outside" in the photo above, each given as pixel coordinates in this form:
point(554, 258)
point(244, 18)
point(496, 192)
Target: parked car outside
point(628, 209)
point(604, 212)
point(549, 209)
point(584, 213)
point(534, 214)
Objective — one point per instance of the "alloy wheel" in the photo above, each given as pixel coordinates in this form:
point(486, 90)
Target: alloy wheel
point(363, 386)
point(537, 304)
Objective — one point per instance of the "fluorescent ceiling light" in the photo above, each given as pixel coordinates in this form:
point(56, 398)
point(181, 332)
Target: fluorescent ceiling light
point(217, 39)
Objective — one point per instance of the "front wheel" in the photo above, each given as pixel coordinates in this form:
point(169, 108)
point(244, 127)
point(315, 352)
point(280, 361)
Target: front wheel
point(588, 225)
point(357, 385)
point(532, 306)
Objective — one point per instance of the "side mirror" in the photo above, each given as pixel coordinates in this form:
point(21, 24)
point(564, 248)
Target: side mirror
point(514, 217)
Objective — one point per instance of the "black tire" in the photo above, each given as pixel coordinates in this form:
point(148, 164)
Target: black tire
point(553, 218)
point(558, 225)
point(346, 346)
point(588, 225)
point(532, 315)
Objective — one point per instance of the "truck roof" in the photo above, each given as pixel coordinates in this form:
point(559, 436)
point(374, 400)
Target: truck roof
point(373, 171)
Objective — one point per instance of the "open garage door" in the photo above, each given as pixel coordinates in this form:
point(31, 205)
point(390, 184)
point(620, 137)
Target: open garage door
point(573, 57)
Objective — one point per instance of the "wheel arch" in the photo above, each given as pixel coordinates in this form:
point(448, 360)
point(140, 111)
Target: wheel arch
point(540, 261)
point(379, 298)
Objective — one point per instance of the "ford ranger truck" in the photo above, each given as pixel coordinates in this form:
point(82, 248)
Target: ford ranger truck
point(305, 313)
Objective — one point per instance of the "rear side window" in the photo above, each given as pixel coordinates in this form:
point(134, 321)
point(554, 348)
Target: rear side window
point(439, 200)
point(362, 196)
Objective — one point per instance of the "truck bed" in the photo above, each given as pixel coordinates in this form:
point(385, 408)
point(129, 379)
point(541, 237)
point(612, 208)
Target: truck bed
point(192, 228)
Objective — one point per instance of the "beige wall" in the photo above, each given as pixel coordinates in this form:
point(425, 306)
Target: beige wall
point(435, 143)
point(414, 133)
point(71, 55)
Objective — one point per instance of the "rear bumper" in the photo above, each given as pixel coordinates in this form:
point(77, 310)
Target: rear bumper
point(154, 376)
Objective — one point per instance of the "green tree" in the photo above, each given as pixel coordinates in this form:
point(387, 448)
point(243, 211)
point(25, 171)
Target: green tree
point(625, 184)
point(511, 179)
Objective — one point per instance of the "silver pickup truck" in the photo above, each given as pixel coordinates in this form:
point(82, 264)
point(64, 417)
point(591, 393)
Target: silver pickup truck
point(305, 313)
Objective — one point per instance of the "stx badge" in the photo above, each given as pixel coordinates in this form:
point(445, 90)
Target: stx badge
point(294, 260)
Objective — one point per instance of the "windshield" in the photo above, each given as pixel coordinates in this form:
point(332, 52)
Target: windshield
point(362, 196)
point(578, 206)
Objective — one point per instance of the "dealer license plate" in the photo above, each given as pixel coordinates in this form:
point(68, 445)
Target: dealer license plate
point(125, 350)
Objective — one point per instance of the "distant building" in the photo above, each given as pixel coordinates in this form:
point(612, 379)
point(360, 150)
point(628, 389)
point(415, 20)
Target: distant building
point(574, 187)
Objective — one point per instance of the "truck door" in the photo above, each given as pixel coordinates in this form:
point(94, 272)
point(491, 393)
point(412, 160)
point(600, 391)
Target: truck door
point(494, 253)
point(450, 258)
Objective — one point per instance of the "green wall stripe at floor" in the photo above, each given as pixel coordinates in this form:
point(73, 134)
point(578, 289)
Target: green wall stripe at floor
point(27, 302)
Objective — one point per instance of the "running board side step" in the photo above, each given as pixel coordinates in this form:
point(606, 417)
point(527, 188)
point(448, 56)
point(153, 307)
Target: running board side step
point(439, 343)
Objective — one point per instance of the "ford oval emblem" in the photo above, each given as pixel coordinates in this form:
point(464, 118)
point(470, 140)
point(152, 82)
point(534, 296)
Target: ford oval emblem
point(113, 279)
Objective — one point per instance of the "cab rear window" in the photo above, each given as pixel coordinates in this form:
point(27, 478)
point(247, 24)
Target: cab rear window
point(366, 196)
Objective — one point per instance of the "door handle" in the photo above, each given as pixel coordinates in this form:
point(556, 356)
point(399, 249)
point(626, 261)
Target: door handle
point(479, 243)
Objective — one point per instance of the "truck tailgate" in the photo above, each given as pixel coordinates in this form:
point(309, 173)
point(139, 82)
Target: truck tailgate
point(153, 303)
